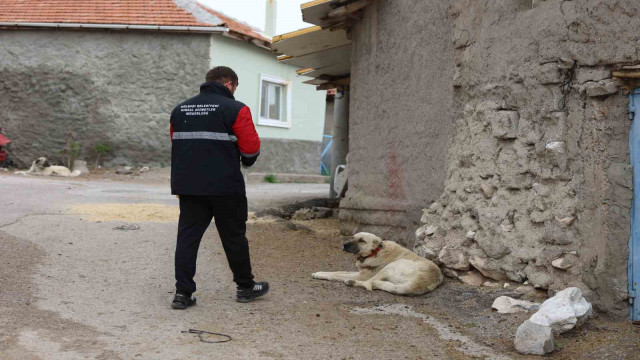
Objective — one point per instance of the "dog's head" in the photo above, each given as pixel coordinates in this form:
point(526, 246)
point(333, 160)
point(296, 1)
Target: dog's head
point(362, 244)
point(42, 163)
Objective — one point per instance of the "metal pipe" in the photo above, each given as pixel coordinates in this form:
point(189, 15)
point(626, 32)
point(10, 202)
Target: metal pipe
point(340, 146)
point(201, 29)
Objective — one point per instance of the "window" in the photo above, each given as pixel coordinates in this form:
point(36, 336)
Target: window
point(274, 102)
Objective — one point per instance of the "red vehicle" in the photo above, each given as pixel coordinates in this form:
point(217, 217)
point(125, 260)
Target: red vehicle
point(3, 142)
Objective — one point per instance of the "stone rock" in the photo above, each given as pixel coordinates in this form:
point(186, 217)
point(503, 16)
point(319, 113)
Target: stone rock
point(504, 123)
point(425, 216)
point(470, 235)
point(516, 276)
point(555, 235)
point(490, 244)
point(507, 305)
point(491, 284)
point(532, 338)
point(567, 309)
point(144, 169)
point(525, 288)
point(80, 166)
point(538, 276)
point(117, 161)
point(584, 74)
point(430, 230)
point(435, 208)
point(565, 221)
point(127, 170)
point(556, 146)
point(561, 264)
point(421, 233)
point(425, 252)
point(541, 190)
point(468, 223)
point(472, 278)
point(456, 259)
point(507, 227)
point(538, 216)
point(450, 273)
point(488, 190)
point(488, 267)
point(549, 74)
point(601, 88)
point(564, 63)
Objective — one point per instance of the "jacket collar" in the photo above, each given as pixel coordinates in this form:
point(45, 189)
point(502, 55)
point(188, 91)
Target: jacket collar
point(216, 88)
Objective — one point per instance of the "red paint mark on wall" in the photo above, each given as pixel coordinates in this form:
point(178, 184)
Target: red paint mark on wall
point(395, 175)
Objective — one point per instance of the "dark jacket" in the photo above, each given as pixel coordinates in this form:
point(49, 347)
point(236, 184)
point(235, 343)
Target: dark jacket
point(211, 133)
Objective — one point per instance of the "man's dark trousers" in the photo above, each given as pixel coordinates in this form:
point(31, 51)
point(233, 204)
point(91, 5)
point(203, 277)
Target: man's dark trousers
point(230, 214)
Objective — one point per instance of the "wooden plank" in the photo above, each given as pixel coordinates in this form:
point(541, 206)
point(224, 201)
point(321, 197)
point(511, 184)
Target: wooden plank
point(313, 12)
point(335, 84)
point(335, 70)
point(293, 34)
point(313, 40)
point(347, 9)
point(315, 82)
point(321, 58)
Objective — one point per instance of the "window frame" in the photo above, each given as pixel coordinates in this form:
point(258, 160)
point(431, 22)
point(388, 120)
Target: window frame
point(286, 121)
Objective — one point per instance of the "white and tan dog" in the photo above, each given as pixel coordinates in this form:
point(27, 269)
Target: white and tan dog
point(42, 167)
point(387, 266)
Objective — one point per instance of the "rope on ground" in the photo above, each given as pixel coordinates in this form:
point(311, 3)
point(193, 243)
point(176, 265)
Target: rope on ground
point(201, 333)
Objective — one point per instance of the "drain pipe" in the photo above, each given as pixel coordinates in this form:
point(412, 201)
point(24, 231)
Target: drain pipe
point(340, 146)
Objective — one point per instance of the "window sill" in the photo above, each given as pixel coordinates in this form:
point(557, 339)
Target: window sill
point(274, 123)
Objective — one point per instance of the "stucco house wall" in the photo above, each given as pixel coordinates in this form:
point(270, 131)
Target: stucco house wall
point(294, 149)
point(106, 86)
point(400, 124)
point(459, 107)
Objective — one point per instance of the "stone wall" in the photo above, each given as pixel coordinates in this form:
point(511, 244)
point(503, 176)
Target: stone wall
point(538, 181)
point(287, 156)
point(106, 86)
point(400, 116)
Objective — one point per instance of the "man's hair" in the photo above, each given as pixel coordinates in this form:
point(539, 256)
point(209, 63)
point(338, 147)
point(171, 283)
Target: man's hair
point(222, 74)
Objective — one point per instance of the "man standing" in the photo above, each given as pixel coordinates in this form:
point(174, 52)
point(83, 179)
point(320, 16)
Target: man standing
point(211, 134)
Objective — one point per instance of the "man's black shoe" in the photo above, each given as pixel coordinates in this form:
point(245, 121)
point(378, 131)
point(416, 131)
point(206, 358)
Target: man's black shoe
point(182, 301)
point(245, 295)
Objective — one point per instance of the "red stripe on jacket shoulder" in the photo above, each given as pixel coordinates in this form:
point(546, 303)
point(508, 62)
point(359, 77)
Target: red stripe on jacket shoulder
point(245, 131)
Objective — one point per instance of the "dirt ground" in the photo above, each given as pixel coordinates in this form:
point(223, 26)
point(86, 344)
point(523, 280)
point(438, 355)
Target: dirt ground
point(72, 286)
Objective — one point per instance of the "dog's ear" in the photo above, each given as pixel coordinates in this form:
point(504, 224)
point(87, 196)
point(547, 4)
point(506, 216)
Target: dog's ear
point(377, 241)
point(46, 163)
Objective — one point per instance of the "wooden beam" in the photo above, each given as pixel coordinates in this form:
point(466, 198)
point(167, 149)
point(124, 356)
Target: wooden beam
point(347, 9)
point(626, 74)
point(342, 82)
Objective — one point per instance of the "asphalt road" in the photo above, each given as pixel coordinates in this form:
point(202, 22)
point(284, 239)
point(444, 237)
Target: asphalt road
point(74, 287)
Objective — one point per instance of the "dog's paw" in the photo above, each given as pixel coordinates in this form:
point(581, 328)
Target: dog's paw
point(315, 275)
point(350, 282)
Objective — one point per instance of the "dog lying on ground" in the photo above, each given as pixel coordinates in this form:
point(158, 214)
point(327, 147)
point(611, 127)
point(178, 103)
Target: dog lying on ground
point(42, 167)
point(387, 266)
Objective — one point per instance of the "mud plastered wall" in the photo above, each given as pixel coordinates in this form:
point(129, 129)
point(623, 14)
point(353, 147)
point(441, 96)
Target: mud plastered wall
point(400, 123)
point(113, 87)
point(538, 184)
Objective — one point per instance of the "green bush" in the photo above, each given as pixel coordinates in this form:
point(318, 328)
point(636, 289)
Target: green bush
point(101, 150)
point(270, 178)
